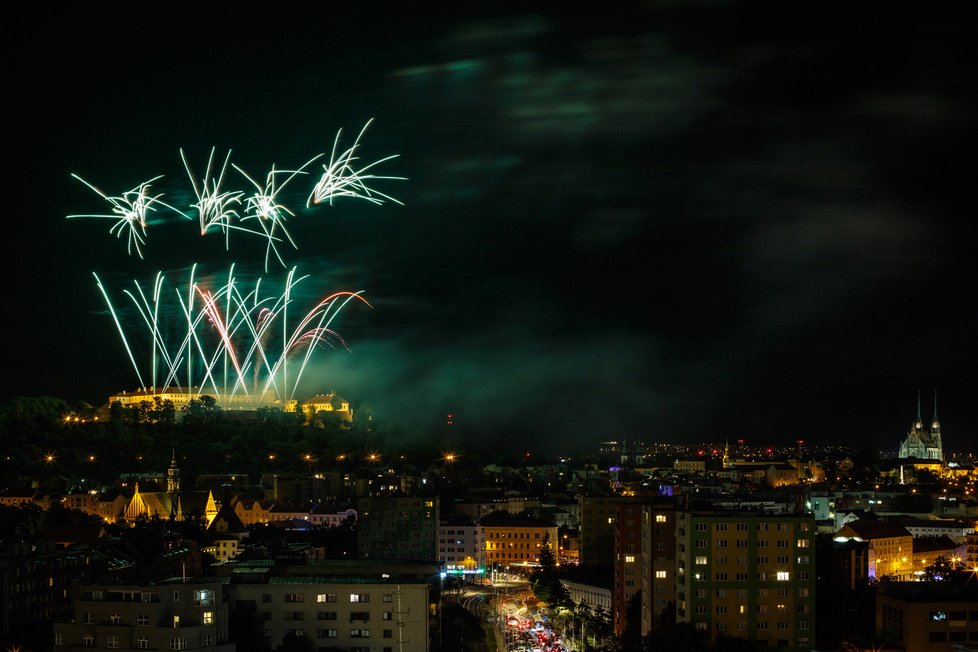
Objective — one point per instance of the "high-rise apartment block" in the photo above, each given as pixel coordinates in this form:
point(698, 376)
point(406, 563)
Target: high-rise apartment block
point(747, 575)
point(658, 558)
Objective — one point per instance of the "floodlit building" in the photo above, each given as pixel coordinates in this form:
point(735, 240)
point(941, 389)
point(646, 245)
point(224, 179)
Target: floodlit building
point(329, 403)
point(890, 547)
point(172, 503)
point(517, 539)
point(924, 444)
point(180, 397)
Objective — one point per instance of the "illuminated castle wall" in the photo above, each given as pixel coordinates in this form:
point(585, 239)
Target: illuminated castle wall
point(181, 397)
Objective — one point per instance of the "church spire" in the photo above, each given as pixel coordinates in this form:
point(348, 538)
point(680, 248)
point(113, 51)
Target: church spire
point(935, 406)
point(173, 475)
point(919, 423)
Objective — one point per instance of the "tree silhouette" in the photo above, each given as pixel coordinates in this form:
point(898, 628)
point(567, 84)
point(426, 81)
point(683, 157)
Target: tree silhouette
point(545, 580)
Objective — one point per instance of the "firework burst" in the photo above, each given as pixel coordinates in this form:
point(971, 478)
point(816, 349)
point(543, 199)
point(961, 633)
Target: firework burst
point(130, 211)
point(259, 212)
point(237, 342)
point(341, 179)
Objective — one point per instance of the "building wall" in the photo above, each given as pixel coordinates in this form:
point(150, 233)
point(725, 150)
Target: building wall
point(628, 561)
point(397, 528)
point(517, 544)
point(749, 576)
point(35, 582)
point(333, 613)
point(594, 596)
point(891, 556)
point(169, 616)
point(658, 562)
point(461, 546)
point(927, 626)
point(597, 534)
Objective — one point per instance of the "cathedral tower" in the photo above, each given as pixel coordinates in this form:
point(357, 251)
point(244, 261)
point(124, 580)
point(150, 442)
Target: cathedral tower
point(920, 443)
point(935, 430)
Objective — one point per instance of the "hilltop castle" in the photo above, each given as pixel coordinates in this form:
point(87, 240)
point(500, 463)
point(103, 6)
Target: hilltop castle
point(180, 397)
point(924, 444)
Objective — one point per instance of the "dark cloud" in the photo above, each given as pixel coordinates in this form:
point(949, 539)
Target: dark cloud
point(662, 222)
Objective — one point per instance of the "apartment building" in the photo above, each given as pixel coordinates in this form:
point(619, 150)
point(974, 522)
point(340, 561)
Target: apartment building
point(747, 575)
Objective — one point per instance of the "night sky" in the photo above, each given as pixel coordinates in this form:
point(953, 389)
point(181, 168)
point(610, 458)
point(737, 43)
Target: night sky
point(670, 224)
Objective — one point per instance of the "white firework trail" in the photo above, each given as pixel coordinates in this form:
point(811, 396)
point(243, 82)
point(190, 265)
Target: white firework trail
point(215, 209)
point(230, 336)
point(341, 178)
point(225, 210)
point(130, 211)
point(264, 207)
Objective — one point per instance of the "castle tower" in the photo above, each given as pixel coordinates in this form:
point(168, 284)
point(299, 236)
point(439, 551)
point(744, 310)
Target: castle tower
point(173, 476)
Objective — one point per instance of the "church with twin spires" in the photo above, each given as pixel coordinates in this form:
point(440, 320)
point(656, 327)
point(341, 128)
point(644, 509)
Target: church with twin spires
point(923, 444)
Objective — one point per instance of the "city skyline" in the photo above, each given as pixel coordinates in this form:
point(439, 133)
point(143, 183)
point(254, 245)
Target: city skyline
point(664, 224)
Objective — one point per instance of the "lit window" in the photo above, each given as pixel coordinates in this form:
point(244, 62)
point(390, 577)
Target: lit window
point(204, 598)
point(629, 559)
point(783, 576)
point(660, 574)
point(208, 618)
point(701, 561)
point(660, 518)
